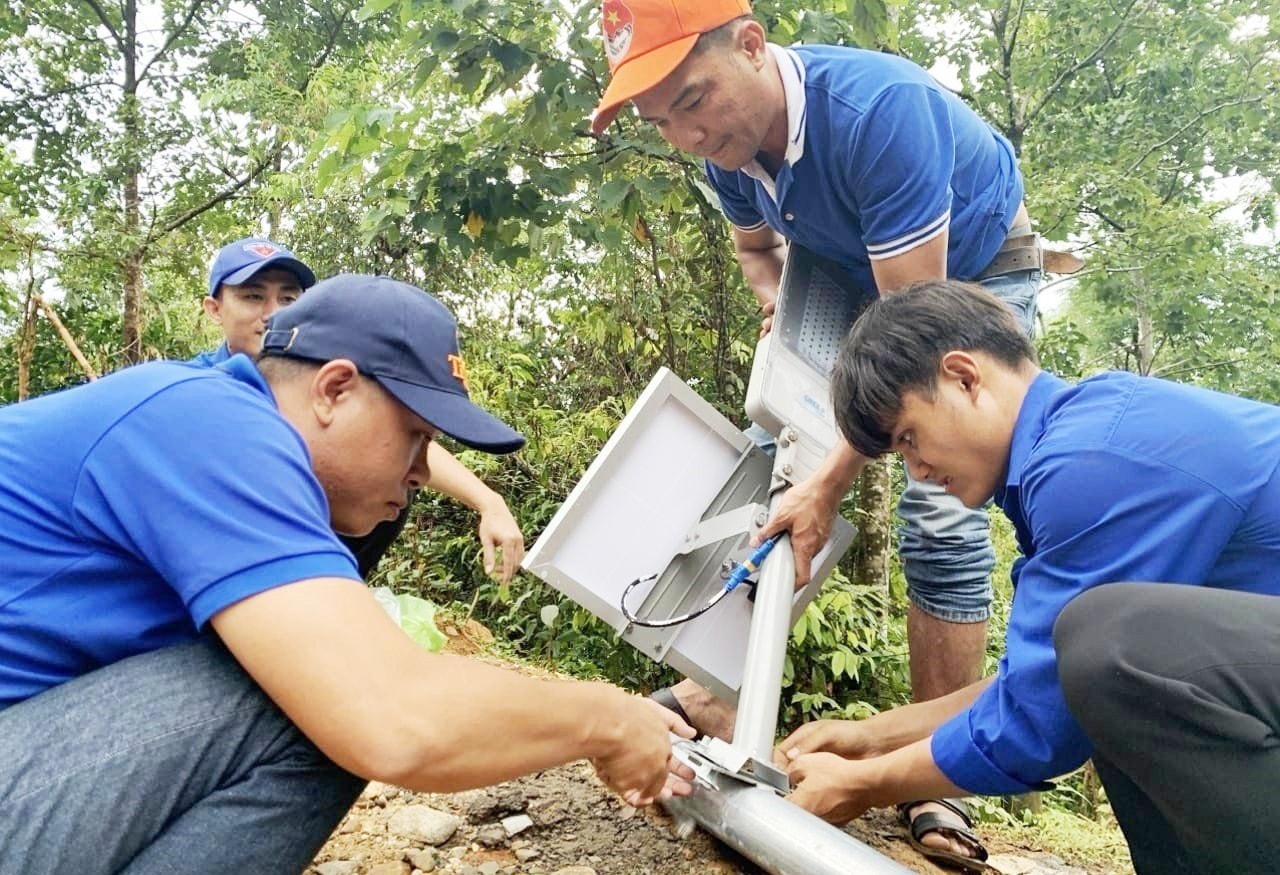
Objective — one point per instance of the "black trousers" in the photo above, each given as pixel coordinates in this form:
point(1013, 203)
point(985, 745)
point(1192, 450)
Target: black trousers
point(1178, 688)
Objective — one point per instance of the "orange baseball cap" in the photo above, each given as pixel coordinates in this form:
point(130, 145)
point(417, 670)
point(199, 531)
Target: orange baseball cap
point(645, 40)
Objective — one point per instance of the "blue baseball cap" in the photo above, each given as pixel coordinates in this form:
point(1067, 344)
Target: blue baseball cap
point(236, 262)
point(398, 335)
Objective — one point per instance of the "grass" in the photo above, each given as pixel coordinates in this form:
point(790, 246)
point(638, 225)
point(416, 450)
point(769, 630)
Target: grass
point(1096, 845)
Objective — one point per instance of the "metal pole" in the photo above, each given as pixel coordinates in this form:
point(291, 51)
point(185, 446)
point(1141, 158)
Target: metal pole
point(779, 837)
point(757, 719)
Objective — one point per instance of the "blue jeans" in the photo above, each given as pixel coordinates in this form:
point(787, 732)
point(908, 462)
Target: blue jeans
point(945, 547)
point(946, 550)
point(173, 761)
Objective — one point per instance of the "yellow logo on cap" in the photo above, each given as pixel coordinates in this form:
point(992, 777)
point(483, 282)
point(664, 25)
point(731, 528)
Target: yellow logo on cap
point(459, 369)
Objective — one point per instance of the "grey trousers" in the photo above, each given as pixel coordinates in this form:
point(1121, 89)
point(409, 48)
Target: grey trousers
point(1178, 688)
point(173, 761)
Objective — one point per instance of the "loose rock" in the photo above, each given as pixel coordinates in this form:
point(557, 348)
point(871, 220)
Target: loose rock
point(491, 836)
point(516, 824)
point(424, 860)
point(396, 868)
point(424, 824)
point(337, 867)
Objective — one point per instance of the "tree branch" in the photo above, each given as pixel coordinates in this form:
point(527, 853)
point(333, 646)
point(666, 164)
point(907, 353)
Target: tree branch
point(1067, 75)
point(225, 194)
point(1182, 130)
point(1104, 217)
point(106, 22)
point(177, 32)
point(70, 341)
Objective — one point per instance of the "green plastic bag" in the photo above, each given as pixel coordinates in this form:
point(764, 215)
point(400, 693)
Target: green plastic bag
point(416, 616)
point(418, 620)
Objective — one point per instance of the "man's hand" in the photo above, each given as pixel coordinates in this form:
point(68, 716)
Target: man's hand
point(679, 775)
point(828, 786)
point(808, 510)
point(766, 318)
point(500, 533)
point(640, 766)
point(844, 738)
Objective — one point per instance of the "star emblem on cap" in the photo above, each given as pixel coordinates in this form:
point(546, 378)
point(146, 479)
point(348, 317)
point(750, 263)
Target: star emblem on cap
point(262, 250)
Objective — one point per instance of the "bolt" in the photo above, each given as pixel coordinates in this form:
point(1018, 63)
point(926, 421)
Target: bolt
point(761, 518)
point(726, 568)
point(792, 435)
point(787, 469)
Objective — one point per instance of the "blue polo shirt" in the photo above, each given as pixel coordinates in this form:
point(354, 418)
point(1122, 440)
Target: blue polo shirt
point(211, 357)
point(1116, 479)
point(135, 508)
point(881, 158)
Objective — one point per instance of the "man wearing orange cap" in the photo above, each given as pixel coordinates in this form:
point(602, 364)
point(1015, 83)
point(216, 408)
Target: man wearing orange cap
point(862, 158)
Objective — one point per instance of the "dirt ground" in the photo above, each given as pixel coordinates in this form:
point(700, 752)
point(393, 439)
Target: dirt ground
point(563, 821)
point(577, 827)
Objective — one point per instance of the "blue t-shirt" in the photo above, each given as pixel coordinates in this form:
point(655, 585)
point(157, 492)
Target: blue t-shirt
point(211, 357)
point(135, 508)
point(1119, 478)
point(881, 159)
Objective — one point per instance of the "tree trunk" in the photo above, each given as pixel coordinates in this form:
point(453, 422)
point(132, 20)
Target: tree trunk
point(874, 521)
point(26, 345)
point(132, 169)
point(1146, 338)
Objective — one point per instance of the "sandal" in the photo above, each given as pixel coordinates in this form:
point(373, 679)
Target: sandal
point(944, 824)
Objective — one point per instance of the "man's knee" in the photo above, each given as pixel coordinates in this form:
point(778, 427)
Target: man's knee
point(967, 601)
point(1089, 637)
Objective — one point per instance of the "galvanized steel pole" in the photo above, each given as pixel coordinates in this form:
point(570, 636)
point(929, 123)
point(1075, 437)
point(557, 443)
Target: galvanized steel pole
point(776, 835)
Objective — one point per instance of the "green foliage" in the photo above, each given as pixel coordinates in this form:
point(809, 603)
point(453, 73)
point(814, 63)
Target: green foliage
point(446, 142)
point(847, 658)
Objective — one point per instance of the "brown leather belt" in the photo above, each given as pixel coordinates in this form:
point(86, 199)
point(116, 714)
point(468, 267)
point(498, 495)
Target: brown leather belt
point(1024, 250)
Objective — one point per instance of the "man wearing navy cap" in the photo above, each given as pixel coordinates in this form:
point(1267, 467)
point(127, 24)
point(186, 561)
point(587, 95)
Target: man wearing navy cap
point(248, 281)
point(252, 278)
point(193, 676)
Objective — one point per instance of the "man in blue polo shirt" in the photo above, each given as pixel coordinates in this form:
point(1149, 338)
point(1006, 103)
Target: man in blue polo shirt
point(252, 278)
point(1143, 630)
point(862, 158)
point(192, 674)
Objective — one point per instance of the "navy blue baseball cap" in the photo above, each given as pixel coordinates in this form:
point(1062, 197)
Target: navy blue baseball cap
point(236, 262)
point(398, 335)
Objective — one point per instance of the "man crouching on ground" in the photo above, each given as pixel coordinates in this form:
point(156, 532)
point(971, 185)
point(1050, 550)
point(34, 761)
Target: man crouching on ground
point(1143, 625)
point(193, 677)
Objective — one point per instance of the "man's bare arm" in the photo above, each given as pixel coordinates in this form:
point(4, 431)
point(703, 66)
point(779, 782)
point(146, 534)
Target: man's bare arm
point(928, 261)
point(761, 253)
point(499, 531)
point(383, 708)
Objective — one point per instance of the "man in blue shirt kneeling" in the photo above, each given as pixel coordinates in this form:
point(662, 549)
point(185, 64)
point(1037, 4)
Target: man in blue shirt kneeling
point(1143, 629)
point(193, 676)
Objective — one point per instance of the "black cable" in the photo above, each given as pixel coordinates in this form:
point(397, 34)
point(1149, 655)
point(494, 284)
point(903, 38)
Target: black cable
point(670, 621)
